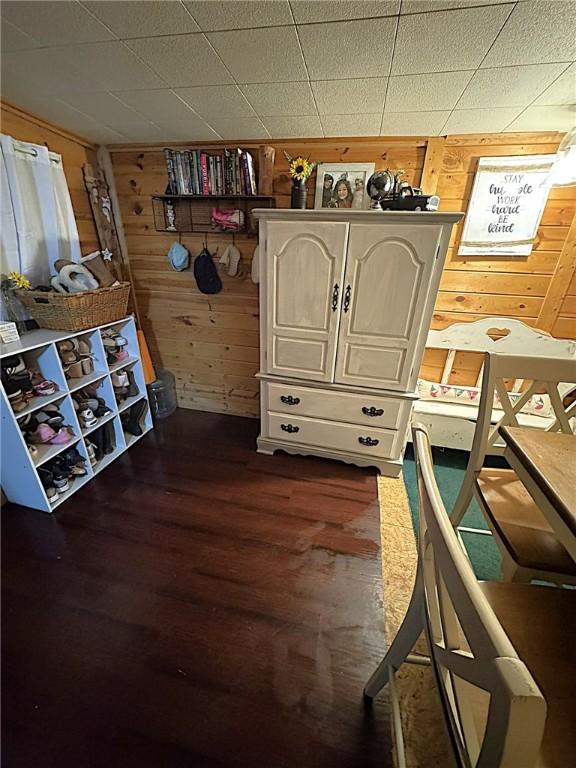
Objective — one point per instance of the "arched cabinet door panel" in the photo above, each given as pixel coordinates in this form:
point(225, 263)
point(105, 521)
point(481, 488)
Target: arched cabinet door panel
point(305, 266)
point(387, 280)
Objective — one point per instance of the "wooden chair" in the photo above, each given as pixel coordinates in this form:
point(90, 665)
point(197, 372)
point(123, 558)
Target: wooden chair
point(529, 547)
point(503, 654)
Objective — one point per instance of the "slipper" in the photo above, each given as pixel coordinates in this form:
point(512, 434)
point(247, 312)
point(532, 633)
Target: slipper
point(46, 388)
point(76, 278)
point(63, 436)
point(231, 259)
point(43, 434)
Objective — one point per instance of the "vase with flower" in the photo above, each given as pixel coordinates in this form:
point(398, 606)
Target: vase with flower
point(300, 171)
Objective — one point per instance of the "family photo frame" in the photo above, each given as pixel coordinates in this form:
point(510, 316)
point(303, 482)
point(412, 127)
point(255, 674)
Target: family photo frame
point(343, 185)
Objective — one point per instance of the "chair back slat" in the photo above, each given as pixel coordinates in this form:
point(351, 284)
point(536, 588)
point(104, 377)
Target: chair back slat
point(448, 365)
point(475, 662)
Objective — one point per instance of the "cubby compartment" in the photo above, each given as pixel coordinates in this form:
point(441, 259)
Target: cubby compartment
point(45, 362)
point(19, 469)
point(136, 420)
point(135, 378)
point(46, 451)
point(99, 390)
point(82, 358)
point(121, 355)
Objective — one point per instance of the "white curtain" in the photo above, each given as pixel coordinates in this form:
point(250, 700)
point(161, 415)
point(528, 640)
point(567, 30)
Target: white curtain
point(38, 225)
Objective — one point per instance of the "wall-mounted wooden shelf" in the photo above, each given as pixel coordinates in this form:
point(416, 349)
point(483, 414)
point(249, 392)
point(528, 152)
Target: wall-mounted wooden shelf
point(193, 213)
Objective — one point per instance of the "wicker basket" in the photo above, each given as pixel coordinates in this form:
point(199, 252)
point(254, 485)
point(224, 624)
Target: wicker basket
point(77, 311)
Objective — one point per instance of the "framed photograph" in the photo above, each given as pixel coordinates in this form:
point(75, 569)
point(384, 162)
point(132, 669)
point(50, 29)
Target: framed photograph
point(342, 185)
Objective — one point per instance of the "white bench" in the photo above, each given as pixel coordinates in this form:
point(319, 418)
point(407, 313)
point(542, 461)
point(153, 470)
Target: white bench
point(449, 415)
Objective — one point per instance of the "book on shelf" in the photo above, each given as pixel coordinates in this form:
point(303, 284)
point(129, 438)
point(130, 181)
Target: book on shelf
point(197, 172)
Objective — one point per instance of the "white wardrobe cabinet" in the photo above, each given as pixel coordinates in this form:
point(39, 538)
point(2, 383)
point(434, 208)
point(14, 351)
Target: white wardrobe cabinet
point(346, 299)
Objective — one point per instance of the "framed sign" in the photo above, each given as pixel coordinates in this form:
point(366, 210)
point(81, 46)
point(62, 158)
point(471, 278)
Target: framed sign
point(508, 197)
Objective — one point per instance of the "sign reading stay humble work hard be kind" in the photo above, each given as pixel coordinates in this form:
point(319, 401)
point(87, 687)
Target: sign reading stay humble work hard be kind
point(508, 197)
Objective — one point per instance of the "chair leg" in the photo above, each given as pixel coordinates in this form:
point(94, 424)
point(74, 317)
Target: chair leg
point(405, 640)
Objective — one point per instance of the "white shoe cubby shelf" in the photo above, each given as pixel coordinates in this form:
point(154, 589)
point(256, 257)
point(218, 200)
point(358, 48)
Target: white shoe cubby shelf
point(19, 477)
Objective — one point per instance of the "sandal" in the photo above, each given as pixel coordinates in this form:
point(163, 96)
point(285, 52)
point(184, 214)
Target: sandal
point(46, 388)
point(63, 436)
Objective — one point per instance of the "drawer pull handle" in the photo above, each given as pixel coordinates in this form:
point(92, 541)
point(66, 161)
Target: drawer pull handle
point(346, 305)
point(290, 428)
point(289, 400)
point(372, 411)
point(369, 441)
point(335, 294)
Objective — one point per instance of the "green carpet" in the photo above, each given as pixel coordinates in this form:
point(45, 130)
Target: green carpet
point(449, 469)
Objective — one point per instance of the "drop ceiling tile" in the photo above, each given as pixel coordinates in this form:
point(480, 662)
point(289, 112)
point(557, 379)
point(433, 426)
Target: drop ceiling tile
point(536, 32)
point(43, 71)
point(437, 91)
point(351, 125)
point(348, 49)
point(261, 55)
point(562, 90)
point(56, 111)
point(480, 120)
point(240, 128)
point(13, 39)
point(341, 97)
point(239, 14)
point(103, 107)
point(156, 17)
point(545, 118)
point(142, 131)
point(225, 101)
point(413, 123)
point(508, 86)
point(307, 126)
point(310, 11)
point(182, 60)
point(276, 99)
point(196, 130)
point(447, 40)
point(100, 134)
point(422, 6)
point(113, 65)
point(55, 23)
point(158, 106)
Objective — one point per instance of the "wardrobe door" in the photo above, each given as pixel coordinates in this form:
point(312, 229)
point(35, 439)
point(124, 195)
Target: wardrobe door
point(388, 275)
point(305, 266)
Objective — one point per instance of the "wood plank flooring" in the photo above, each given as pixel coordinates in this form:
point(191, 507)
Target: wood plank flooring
point(196, 605)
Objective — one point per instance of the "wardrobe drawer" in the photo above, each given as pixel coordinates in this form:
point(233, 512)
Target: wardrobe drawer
point(383, 443)
point(379, 411)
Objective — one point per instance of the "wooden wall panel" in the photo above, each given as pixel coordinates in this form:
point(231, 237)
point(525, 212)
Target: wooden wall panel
point(75, 152)
point(211, 343)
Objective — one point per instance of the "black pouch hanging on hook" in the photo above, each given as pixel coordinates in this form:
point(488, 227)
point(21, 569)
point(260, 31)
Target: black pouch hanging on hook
point(206, 274)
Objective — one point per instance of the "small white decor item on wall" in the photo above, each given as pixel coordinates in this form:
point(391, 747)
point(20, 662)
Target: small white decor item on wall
point(506, 205)
point(343, 185)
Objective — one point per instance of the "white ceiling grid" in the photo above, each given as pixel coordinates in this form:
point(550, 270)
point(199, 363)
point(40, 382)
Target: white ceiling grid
point(122, 71)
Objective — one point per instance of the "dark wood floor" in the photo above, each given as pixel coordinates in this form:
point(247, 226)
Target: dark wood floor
point(196, 605)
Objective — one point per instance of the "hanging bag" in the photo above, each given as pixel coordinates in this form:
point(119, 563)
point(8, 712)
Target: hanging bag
point(206, 274)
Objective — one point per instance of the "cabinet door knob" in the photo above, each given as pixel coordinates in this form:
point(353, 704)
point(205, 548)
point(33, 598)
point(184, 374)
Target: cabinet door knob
point(372, 411)
point(369, 441)
point(290, 428)
point(347, 292)
point(335, 294)
point(289, 400)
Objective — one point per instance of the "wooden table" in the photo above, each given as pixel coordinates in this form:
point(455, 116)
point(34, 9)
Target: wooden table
point(546, 464)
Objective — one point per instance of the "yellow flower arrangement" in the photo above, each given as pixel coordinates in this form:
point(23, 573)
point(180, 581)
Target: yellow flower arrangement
point(300, 167)
point(19, 280)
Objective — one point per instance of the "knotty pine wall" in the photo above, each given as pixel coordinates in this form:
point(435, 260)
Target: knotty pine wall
point(75, 152)
point(210, 343)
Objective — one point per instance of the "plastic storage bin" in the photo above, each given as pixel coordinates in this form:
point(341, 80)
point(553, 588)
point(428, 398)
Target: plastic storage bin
point(162, 394)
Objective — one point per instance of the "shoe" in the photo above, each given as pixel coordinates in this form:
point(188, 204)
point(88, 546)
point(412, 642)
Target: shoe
point(17, 401)
point(87, 418)
point(43, 434)
point(45, 388)
point(91, 451)
point(53, 418)
point(109, 438)
point(227, 220)
point(74, 371)
point(61, 484)
point(47, 480)
point(132, 423)
point(132, 390)
point(87, 365)
point(33, 451)
point(63, 436)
